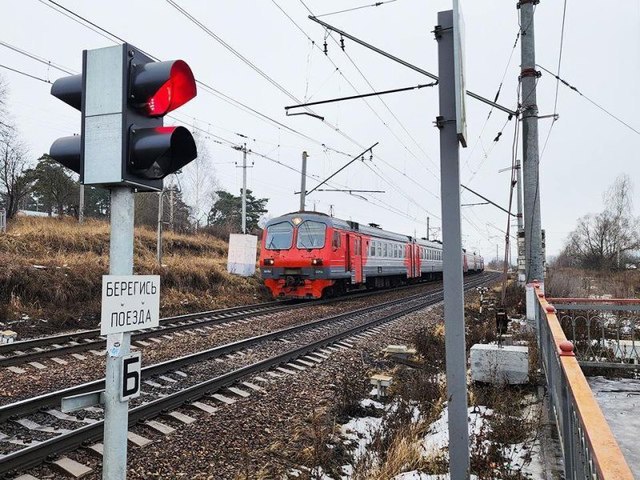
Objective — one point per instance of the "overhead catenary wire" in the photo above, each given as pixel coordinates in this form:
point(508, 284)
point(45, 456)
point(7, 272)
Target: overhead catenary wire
point(115, 39)
point(207, 88)
point(253, 66)
point(555, 101)
point(377, 4)
point(366, 79)
point(21, 72)
point(575, 89)
point(36, 58)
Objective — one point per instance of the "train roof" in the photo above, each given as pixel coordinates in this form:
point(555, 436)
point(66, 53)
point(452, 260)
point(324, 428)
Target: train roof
point(338, 223)
point(353, 226)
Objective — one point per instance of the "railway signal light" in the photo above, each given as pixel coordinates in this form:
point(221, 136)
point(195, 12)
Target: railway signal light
point(122, 95)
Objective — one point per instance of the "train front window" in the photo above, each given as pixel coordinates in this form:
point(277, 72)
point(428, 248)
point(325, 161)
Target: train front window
point(311, 234)
point(279, 236)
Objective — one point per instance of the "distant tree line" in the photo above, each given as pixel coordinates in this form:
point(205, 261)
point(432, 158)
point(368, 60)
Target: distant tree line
point(608, 240)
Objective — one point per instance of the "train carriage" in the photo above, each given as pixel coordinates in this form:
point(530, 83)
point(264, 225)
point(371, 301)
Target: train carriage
point(311, 255)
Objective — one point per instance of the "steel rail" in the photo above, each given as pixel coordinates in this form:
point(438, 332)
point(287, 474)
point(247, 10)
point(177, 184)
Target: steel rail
point(36, 454)
point(33, 404)
point(196, 319)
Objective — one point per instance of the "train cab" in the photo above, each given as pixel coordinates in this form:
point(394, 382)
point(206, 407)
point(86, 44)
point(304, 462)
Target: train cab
point(303, 255)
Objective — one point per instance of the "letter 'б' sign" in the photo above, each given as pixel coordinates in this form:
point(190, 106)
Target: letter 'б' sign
point(129, 302)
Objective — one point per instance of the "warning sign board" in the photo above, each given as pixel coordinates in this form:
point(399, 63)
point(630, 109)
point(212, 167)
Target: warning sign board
point(129, 302)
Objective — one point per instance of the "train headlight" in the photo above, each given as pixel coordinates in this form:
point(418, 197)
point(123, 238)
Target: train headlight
point(269, 261)
point(316, 261)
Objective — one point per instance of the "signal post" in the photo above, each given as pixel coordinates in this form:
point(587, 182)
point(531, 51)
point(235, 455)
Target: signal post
point(124, 146)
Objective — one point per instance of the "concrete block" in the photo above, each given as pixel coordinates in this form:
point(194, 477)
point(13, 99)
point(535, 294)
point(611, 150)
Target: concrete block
point(159, 427)
point(492, 364)
point(205, 407)
point(181, 417)
point(138, 440)
point(71, 467)
point(239, 392)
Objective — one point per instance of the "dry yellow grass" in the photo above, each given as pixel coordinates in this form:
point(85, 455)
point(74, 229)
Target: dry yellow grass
point(52, 270)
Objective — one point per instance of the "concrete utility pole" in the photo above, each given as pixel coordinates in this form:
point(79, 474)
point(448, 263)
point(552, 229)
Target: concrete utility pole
point(456, 360)
point(172, 190)
point(81, 206)
point(520, 244)
point(428, 218)
point(244, 188)
point(116, 411)
point(159, 239)
point(303, 181)
point(528, 79)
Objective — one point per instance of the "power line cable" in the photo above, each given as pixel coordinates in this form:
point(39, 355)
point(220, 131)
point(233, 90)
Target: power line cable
point(36, 58)
point(103, 32)
point(25, 74)
point(377, 4)
point(207, 88)
point(253, 66)
point(330, 35)
point(555, 101)
point(567, 84)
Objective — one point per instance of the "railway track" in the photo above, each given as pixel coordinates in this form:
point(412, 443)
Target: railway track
point(32, 350)
point(180, 389)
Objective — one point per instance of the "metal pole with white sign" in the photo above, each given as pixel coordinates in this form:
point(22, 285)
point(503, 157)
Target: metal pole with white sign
point(452, 124)
point(116, 411)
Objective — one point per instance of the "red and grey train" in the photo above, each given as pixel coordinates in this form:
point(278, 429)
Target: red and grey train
point(311, 255)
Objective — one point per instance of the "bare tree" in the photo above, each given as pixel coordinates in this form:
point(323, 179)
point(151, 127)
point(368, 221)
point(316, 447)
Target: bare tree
point(199, 183)
point(15, 182)
point(604, 240)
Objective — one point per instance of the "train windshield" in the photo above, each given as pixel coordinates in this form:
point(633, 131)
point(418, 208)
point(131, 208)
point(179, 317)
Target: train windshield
point(279, 236)
point(311, 234)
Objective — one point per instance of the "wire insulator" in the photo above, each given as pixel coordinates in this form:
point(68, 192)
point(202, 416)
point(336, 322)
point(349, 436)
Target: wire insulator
point(342, 43)
point(325, 47)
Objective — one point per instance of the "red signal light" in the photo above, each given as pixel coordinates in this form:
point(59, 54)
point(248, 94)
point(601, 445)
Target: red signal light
point(160, 87)
point(179, 88)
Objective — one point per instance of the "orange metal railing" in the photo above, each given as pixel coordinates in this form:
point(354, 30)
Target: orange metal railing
point(589, 448)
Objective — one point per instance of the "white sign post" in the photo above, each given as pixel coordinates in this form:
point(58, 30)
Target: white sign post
point(129, 302)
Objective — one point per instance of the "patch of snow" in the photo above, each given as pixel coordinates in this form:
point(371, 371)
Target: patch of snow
point(619, 400)
point(415, 475)
point(524, 457)
point(39, 267)
point(361, 432)
point(368, 402)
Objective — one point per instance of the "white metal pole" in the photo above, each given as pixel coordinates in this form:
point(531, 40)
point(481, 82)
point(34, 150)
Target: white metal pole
point(114, 465)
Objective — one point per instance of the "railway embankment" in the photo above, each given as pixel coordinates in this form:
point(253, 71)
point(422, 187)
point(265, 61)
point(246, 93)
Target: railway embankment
point(51, 271)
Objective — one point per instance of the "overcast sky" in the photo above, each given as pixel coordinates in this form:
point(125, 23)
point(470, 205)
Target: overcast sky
point(586, 151)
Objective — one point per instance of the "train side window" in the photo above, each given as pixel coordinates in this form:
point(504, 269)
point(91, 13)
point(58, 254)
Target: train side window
point(378, 249)
point(335, 242)
point(372, 248)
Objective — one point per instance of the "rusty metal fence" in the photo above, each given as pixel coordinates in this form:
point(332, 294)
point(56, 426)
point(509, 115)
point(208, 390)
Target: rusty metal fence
point(589, 449)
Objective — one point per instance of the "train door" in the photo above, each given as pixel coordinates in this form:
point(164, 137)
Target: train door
point(354, 258)
point(413, 261)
